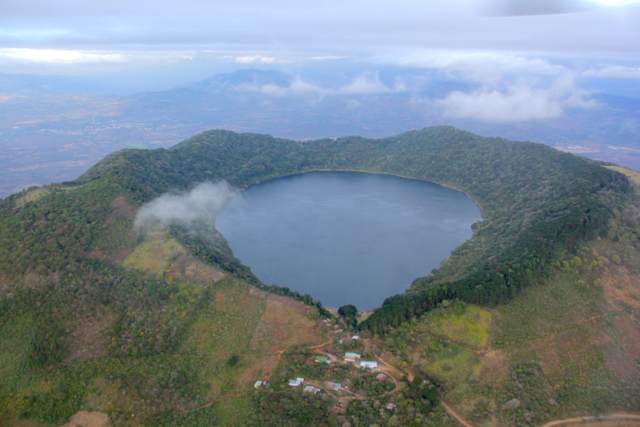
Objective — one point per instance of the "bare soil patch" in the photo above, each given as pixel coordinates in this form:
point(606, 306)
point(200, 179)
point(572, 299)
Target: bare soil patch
point(197, 271)
point(32, 280)
point(4, 283)
point(624, 359)
point(579, 345)
point(494, 366)
point(622, 289)
point(89, 336)
point(284, 323)
point(121, 209)
point(88, 419)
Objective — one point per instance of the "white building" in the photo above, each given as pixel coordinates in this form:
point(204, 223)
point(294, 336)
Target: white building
point(334, 386)
point(369, 364)
point(296, 382)
point(351, 357)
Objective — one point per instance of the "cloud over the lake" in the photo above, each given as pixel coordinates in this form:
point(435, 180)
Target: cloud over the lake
point(188, 209)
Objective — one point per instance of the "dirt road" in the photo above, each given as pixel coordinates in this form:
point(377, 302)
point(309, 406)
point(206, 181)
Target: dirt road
point(453, 414)
point(633, 419)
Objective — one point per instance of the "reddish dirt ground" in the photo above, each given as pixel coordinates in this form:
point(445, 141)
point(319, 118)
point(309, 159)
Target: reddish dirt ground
point(622, 289)
point(88, 419)
point(121, 209)
point(284, 322)
point(493, 366)
point(89, 337)
point(612, 420)
point(624, 359)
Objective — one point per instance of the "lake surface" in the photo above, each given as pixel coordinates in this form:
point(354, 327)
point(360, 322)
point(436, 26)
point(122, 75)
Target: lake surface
point(346, 238)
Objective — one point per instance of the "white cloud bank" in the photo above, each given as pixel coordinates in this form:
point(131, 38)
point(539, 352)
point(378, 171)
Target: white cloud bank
point(614, 72)
point(484, 67)
point(361, 85)
point(255, 59)
point(200, 205)
point(60, 56)
point(516, 103)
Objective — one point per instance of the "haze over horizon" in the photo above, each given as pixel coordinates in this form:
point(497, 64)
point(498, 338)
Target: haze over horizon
point(599, 38)
point(80, 80)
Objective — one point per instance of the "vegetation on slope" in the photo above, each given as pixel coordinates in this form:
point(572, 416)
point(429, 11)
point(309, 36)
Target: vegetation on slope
point(537, 203)
point(563, 348)
point(90, 320)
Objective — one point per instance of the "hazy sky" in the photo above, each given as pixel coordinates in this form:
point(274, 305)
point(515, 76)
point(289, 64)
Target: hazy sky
point(525, 60)
point(279, 30)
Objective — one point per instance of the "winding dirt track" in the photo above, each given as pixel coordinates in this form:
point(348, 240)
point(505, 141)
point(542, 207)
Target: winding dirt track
point(394, 372)
point(453, 414)
point(594, 420)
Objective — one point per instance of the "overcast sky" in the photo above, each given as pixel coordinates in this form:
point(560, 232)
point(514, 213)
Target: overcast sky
point(527, 59)
point(328, 27)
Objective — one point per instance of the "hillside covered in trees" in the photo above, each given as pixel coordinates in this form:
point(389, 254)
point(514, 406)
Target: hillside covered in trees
point(90, 311)
point(537, 202)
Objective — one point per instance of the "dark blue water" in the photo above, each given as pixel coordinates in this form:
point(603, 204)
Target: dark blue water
point(346, 238)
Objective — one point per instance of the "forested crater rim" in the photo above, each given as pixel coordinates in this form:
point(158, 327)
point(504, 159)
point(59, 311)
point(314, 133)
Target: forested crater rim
point(536, 202)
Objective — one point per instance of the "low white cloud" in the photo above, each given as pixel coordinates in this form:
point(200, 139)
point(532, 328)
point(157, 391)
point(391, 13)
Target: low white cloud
point(255, 59)
point(60, 56)
point(370, 85)
point(483, 67)
point(200, 205)
point(614, 72)
point(361, 85)
point(516, 103)
point(296, 87)
point(508, 87)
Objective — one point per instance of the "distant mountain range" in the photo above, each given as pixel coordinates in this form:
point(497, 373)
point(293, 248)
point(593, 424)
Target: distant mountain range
point(52, 129)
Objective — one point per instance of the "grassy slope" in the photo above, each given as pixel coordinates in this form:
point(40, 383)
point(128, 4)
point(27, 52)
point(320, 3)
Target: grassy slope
point(568, 346)
point(193, 382)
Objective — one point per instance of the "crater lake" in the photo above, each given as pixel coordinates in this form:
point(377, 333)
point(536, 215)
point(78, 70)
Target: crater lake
point(345, 237)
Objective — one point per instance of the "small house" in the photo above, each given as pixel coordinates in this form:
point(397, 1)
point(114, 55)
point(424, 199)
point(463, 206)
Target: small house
point(351, 357)
point(334, 386)
point(296, 382)
point(369, 364)
point(355, 338)
point(259, 384)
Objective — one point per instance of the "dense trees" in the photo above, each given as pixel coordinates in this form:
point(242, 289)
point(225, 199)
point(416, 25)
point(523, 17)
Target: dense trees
point(349, 314)
point(537, 203)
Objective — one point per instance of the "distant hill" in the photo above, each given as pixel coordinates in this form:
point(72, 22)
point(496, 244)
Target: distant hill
point(54, 128)
point(168, 328)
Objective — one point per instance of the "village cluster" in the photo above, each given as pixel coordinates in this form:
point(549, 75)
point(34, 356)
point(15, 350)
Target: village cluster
point(350, 357)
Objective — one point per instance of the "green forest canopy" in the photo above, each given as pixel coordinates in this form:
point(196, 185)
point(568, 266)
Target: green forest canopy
point(536, 202)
